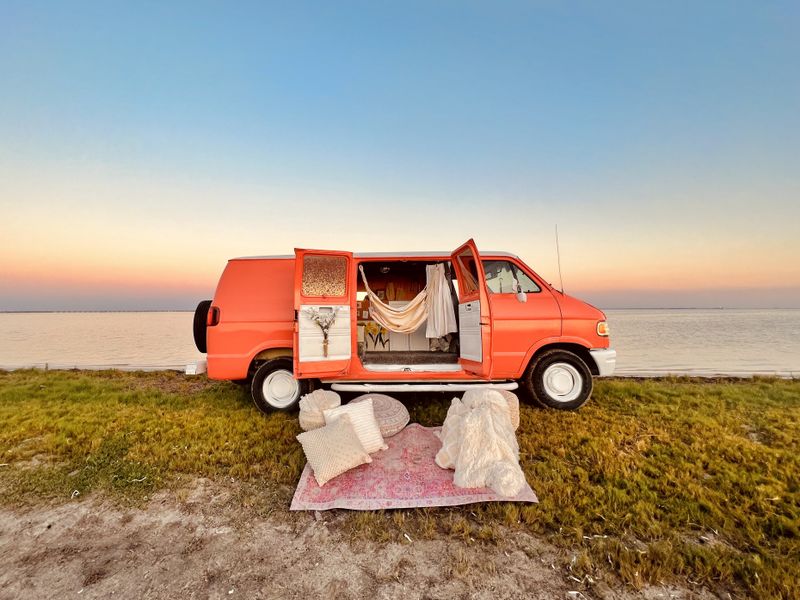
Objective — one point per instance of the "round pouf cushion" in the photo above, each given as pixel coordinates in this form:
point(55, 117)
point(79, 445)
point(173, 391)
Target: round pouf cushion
point(513, 407)
point(312, 405)
point(391, 415)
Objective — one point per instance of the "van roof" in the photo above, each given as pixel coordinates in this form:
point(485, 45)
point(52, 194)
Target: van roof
point(386, 255)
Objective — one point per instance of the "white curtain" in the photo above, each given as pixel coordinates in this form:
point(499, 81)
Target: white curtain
point(434, 303)
point(441, 314)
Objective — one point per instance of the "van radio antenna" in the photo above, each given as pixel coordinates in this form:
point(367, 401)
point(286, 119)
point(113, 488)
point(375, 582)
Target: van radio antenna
point(558, 255)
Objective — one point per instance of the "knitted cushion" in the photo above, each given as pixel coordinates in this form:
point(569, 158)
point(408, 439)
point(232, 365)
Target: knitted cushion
point(312, 405)
point(391, 415)
point(513, 407)
point(333, 449)
point(363, 419)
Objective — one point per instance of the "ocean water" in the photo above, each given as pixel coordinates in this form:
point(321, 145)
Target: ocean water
point(648, 342)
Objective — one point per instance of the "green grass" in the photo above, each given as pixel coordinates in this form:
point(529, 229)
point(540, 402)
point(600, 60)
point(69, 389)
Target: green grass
point(652, 481)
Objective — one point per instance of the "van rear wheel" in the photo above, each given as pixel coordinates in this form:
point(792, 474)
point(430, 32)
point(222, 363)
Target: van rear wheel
point(274, 386)
point(559, 379)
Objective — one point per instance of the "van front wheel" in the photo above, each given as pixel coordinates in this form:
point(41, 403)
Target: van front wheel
point(559, 379)
point(274, 387)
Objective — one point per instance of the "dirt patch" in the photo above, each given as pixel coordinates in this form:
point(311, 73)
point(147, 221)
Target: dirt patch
point(199, 542)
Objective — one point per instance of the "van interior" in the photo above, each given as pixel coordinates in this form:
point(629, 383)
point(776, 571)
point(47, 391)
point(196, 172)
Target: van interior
point(396, 283)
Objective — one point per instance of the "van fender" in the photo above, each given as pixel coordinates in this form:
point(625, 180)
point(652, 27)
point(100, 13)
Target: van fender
point(270, 353)
point(559, 342)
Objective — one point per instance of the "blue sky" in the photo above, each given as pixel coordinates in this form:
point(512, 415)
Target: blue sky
point(143, 144)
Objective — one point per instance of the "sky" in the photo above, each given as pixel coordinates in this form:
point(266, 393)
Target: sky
point(143, 144)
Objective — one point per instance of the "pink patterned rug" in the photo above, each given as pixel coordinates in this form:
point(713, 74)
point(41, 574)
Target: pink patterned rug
point(404, 476)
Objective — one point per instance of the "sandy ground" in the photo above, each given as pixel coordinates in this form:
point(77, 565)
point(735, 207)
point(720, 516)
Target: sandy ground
point(201, 543)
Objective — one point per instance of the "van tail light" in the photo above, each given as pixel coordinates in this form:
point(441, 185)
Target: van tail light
point(602, 329)
point(213, 316)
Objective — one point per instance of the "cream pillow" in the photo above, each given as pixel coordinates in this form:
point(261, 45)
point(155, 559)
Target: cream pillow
point(513, 406)
point(333, 449)
point(362, 415)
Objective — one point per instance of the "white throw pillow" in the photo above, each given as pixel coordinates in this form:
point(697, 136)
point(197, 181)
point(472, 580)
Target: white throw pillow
point(362, 415)
point(333, 449)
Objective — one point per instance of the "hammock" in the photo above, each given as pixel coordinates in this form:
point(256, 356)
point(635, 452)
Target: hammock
point(432, 304)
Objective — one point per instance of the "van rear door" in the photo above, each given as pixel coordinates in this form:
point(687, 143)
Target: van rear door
point(324, 284)
point(474, 311)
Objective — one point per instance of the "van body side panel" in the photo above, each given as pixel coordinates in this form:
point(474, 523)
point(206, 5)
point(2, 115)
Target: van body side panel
point(519, 325)
point(250, 339)
point(255, 298)
point(580, 321)
point(256, 312)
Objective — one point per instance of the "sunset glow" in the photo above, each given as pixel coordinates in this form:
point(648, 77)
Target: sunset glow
point(663, 142)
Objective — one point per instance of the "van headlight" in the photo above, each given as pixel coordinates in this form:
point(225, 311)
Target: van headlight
point(602, 328)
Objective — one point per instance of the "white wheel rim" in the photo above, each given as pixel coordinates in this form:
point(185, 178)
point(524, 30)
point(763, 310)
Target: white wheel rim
point(280, 388)
point(562, 382)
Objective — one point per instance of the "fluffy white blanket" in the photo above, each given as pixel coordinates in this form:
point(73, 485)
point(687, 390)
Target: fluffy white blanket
point(478, 441)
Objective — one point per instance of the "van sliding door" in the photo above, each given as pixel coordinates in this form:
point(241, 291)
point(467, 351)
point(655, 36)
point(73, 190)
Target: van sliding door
point(474, 311)
point(324, 284)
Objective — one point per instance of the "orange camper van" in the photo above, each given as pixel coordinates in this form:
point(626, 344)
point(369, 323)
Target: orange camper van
point(284, 325)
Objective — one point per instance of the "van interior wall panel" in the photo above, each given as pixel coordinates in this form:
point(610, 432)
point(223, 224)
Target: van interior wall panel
point(469, 319)
point(310, 336)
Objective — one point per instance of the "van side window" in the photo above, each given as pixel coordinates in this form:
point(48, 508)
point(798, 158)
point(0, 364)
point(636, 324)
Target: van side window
point(324, 275)
point(500, 276)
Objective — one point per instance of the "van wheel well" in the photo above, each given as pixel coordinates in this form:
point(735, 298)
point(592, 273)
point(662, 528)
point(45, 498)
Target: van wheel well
point(577, 349)
point(262, 358)
point(267, 355)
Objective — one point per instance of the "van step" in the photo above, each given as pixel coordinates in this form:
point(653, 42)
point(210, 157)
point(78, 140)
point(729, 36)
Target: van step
point(421, 387)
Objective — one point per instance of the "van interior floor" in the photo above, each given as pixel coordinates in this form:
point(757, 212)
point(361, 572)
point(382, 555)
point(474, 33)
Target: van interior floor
point(410, 358)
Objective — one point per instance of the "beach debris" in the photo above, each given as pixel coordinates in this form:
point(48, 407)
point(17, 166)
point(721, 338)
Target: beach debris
point(4, 464)
point(75, 494)
point(405, 535)
point(138, 480)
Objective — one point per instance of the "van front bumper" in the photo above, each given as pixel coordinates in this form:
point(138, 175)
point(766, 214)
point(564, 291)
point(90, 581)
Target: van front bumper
point(605, 359)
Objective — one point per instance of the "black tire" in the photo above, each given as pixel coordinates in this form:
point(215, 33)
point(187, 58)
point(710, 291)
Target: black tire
point(559, 379)
point(286, 402)
point(201, 324)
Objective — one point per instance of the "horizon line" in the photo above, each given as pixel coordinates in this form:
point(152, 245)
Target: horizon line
point(188, 310)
